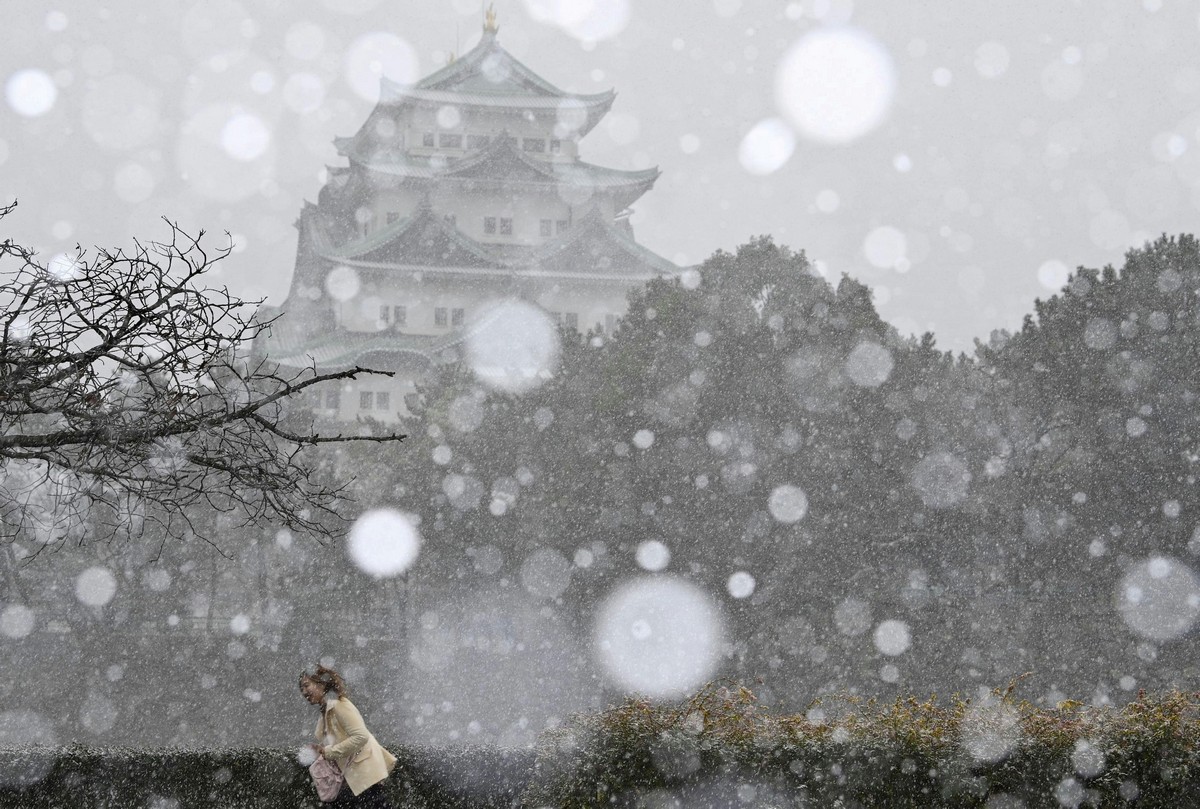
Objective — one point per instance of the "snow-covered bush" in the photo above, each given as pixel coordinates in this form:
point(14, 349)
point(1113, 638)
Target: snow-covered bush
point(722, 748)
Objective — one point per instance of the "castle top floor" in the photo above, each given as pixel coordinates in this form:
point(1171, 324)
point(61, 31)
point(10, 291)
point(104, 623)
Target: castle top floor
point(485, 94)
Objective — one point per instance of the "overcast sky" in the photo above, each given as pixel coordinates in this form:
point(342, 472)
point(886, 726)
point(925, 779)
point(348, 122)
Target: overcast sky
point(973, 154)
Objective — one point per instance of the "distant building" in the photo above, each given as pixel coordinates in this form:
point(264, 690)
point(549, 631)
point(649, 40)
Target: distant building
point(461, 189)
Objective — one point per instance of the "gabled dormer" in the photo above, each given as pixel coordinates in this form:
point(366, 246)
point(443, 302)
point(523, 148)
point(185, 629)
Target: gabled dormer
point(422, 239)
point(598, 247)
point(501, 160)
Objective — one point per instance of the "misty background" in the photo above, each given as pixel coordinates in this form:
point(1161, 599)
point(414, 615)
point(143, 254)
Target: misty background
point(1016, 146)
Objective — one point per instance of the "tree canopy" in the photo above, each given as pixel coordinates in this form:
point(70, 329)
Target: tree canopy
point(752, 418)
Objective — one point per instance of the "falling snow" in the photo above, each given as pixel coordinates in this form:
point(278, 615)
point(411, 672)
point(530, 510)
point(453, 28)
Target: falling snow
point(830, 349)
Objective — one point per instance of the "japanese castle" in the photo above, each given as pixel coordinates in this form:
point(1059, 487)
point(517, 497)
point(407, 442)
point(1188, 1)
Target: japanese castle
point(463, 189)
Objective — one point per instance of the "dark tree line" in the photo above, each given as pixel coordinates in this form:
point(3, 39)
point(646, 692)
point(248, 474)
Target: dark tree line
point(992, 502)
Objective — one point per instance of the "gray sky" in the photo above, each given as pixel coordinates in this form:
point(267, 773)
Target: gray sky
point(1014, 143)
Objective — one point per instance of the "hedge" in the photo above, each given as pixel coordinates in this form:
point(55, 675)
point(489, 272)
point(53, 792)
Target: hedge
point(82, 777)
point(720, 749)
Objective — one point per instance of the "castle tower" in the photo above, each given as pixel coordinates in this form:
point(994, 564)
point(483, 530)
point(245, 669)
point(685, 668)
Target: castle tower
point(462, 189)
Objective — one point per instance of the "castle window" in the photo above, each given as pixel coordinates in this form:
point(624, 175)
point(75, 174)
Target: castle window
point(365, 399)
point(534, 144)
point(385, 314)
point(439, 316)
point(333, 399)
point(546, 227)
point(383, 400)
point(555, 146)
point(489, 224)
point(505, 226)
point(449, 141)
point(477, 141)
point(393, 217)
point(427, 139)
point(457, 316)
point(400, 315)
point(572, 319)
point(561, 226)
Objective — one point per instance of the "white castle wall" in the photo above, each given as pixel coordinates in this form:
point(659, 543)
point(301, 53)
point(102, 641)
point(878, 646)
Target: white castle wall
point(469, 209)
point(594, 305)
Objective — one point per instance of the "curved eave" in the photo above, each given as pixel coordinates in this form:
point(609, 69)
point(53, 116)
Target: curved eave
point(342, 350)
point(365, 356)
point(577, 173)
point(662, 265)
point(524, 271)
point(625, 186)
point(348, 251)
point(621, 176)
point(626, 278)
point(595, 113)
point(365, 244)
point(592, 225)
point(596, 105)
point(471, 65)
point(392, 93)
point(346, 359)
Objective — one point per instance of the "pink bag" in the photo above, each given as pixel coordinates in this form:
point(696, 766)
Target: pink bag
point(327, 778)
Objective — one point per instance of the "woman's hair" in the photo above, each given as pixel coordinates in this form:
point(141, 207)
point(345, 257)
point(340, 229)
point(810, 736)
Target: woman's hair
point(327, 677)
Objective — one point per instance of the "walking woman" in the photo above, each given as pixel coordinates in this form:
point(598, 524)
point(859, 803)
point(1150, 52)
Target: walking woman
point(343, 738)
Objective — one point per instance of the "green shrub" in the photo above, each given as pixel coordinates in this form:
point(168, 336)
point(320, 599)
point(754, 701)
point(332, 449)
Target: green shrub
point(722, 748)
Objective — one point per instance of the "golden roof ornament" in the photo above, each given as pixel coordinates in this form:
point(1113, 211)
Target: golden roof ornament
point(489, 19)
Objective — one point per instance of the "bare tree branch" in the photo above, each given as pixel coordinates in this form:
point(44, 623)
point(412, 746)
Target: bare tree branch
point(128, 398)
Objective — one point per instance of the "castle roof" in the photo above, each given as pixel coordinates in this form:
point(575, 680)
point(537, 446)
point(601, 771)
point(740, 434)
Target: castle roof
point(597, 251)
point(503, 163)
point(593, 249)
point(343, 349)
point(423, 238)
point(491, 77)
point(599, 245)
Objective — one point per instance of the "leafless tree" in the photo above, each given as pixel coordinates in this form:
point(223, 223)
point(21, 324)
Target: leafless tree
point(129, 397)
